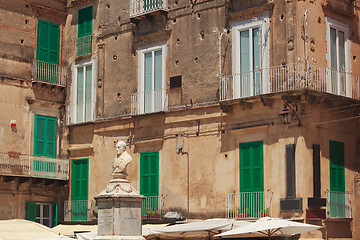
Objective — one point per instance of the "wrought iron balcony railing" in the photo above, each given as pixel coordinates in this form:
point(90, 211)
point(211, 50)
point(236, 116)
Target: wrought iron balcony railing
point(81, 112)
point(77, 210)
point(153, 207)
point(248, 204)
point(141, 7)
point(149, 101)
point(49, 72)
point(33, 166)
point(303, 75)
point(339, 204)
point(84, 45)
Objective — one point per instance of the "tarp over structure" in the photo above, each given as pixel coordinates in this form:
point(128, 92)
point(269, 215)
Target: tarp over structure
point(195, 230)
point(19, 229)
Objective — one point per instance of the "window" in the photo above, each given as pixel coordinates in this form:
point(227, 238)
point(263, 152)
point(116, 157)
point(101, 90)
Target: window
point(84, 42)
point(338, 57)
point(44, 213)
point(250, 57)
point(151, 89)
point(149, 180)
point(82, 108)
point(79, 189)
point(47, 55)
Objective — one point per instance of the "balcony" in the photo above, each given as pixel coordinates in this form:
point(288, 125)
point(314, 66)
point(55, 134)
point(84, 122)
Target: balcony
point(80, 113)
point(338, 204)
point(149, 101)
point(16, 164)
point(77, 210)
point(84, 45)
point(153, 207)
point(248, 205)
point(49, 73)
point(289, 77)
point(141, 7)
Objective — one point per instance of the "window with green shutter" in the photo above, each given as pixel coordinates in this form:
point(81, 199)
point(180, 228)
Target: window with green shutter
point(42, 212)
point(47, 54)
point(337, 179)
point(84, 42)
point(251, 178)
point(44, 142)
point(149, 180)
point(79, 189)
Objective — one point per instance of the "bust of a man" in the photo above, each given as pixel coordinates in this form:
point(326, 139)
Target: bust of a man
point(121, 161)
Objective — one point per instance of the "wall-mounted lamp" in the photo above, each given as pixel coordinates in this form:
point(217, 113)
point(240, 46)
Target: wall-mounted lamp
point(286, 114)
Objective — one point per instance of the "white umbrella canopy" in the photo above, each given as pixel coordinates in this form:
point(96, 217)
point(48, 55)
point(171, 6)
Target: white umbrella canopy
point(269, 227)
point(195, 229)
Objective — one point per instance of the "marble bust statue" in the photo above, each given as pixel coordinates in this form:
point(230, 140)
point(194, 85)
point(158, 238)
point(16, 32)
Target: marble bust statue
point(121, 161)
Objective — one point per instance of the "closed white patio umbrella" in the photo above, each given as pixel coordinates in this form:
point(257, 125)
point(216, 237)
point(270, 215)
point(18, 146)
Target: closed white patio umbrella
point(269, 227)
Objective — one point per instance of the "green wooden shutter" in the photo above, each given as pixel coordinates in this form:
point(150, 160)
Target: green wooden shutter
point(45, 136)
point(251, 167)
point(48, 38)
point(31, 211)
point(85, 21)
point(84, 43)
point(149, 181)
point(149, 173)
point(79, 189)
point(54, 214)
point(337, 173)
point(337, 179)
point(251, 178)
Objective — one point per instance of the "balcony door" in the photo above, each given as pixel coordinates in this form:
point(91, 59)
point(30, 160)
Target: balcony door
point(337, 179)
point(47, 54)
point(251, 179)
point(149, 181)
point(151, 91)
point(79, 189)
point(44, 142)
point(250, 57)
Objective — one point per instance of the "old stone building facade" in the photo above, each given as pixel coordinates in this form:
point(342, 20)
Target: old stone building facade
point(236, 109)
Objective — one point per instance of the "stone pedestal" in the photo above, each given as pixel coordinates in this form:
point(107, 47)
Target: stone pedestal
point(119, 211)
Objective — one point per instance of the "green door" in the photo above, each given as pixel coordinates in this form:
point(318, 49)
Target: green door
point(79, 189)
point(251, 179)
point(337, 179)
point(84, 43)
point(47, 55)
point(149, 181)
point(44, 142)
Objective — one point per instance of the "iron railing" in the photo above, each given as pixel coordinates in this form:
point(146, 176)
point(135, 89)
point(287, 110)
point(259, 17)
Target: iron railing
point(81, 112)
point(84, 45)
point(302, 75)
point(149, 101)
point(77, 210)
point(49, 72)
point(153, 207)
point(33, 166)
point(248, 204)
point(141, 7)
point(339, 204)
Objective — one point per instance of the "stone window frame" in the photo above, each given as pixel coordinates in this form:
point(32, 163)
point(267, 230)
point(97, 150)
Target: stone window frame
point(344, 27)
point(263, 23)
